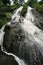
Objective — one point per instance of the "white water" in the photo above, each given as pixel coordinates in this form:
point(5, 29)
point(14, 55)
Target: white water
point(29, 27)
point(27, 23)
point(17, 15)
point(20, 61)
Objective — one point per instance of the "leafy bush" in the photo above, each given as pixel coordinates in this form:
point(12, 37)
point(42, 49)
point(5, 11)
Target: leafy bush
point(41, 2)
point(4, 19)
point(38, 7)
point(13, 7)
point(41, 8)
point(24, 10)
point(6, 12)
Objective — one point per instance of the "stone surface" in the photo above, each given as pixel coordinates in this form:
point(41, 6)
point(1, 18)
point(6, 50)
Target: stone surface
point(17, 41)
point(7, 60)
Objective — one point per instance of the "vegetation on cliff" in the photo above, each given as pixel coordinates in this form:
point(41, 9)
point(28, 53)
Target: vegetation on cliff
point(24, 10)
point(6, 12)
point(36, 5)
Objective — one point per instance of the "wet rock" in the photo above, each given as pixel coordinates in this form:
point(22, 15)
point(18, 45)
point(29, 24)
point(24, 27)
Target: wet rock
point(7, 60)
point(12, 37)
point(19, 42)
point(38, 19)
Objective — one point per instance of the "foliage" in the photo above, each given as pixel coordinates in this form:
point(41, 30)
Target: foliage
point(30, 2)
point(13, 7)
point(41, 2)
point(38, 7)
point(6, 2)
point(24, 10)
point(6, 12)
point(33, 3)
point(21, 1)
point(1, 2)
point(15, 1)
point(4, 18)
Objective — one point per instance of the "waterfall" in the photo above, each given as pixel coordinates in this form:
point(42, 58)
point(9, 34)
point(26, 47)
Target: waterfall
point(19, 61)
point(17, 15)
point(32, 29)
point(28, 26)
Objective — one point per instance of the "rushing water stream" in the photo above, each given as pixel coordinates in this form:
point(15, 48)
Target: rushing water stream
point(20, 62)
point(27, 26)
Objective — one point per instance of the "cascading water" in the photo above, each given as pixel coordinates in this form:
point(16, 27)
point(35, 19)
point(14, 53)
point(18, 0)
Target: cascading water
point(30, 28)
point(19, 61)
point(17, 15)
point(33, 35)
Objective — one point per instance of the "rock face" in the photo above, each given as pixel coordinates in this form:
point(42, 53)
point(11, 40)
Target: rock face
point(13, 37)
point(7, 60)
point(24, 39)
point(17, 41)
point(38, 19)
